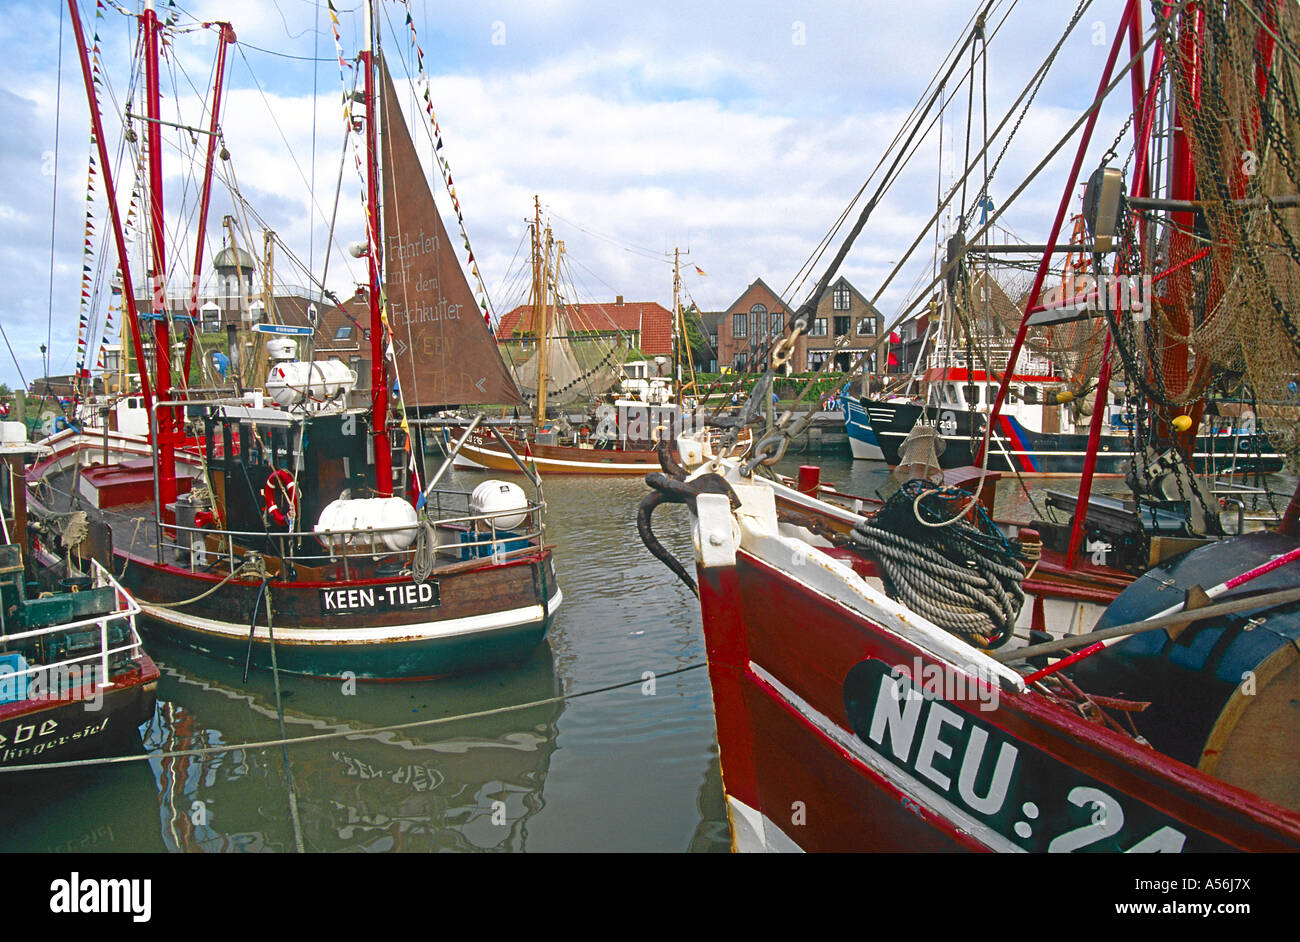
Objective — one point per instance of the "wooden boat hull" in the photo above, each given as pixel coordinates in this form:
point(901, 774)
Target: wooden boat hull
point(824, 747)
point(487, 454)
point(377, 629)
point(881, 426)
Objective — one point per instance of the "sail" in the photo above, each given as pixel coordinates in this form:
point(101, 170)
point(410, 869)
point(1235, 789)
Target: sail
point(576, 369)
point(444, 351)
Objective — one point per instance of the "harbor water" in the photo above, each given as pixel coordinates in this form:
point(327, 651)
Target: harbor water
point(537, 757)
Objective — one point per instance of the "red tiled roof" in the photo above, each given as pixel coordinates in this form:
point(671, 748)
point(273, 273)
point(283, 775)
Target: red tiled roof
point(650, 321)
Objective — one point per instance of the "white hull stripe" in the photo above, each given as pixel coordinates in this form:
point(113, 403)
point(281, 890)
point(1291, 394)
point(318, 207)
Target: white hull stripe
point(421, 631)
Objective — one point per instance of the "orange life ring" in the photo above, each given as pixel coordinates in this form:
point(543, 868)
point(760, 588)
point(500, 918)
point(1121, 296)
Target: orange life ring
point(282, 481)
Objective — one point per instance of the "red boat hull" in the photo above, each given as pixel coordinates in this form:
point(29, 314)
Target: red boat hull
point(798, 776)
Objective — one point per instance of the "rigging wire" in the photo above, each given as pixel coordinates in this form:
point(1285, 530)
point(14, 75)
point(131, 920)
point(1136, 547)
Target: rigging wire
point(805, 270)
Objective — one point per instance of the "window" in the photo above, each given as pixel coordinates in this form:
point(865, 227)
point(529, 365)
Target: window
point(1031, 395)
point(211, 315)
point(713, 341)
point(867, 327)
point(842, 298)
point(343, 333)
point(778, 323)
point(818, 327)
point(972, 394)
point(757, 320)
point(841, 326)
point(742, 360)
point(740, 326)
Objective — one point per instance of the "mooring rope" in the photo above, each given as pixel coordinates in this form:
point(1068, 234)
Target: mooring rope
point(964, 577)
point(344, 734)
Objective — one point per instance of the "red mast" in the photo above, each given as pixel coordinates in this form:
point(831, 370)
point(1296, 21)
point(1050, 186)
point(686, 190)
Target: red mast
point(106, 170)
point(226, 37)
point(166, 415)
point(378, 364)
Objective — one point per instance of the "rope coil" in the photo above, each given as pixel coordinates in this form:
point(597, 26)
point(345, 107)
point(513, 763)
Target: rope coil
point(964, 576)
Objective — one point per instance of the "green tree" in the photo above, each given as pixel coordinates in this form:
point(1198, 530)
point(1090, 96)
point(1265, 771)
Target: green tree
point(696, 337)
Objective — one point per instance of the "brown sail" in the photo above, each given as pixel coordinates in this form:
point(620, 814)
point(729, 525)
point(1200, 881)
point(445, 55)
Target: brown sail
point(445, 354)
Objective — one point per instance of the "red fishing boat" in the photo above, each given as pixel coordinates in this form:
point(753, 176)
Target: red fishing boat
point(872, 687)
point(297, 531)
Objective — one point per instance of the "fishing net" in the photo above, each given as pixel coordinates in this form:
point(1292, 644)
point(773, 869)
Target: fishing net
point(1230, 306)
point(918, 456)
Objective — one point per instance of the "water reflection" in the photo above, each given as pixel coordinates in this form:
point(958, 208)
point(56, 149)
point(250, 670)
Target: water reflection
point(468, 784)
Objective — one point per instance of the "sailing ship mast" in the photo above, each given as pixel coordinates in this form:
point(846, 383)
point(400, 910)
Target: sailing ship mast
point(542, 301)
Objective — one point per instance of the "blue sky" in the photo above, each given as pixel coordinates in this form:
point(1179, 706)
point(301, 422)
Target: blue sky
point(739, 131)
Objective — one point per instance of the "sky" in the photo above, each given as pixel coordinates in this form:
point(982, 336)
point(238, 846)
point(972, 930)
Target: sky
point(735, 132)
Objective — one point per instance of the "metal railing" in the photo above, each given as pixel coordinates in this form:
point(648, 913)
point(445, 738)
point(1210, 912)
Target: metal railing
point(191, 544)
point(125, 610)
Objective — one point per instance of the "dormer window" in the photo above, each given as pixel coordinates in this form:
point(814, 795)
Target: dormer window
point(343, 333)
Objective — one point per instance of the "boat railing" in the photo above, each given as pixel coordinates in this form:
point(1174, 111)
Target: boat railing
point(478, 535)
point(125, 610)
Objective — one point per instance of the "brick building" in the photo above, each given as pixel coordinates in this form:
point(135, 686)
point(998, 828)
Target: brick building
point(751, 323)
point(646, 325)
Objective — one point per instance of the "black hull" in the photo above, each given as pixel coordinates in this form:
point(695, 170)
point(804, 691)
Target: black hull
point(1014, 448)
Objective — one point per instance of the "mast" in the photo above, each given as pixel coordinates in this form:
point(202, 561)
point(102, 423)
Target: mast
point(1130, 10)
point(166, 415)
point(543, 353)
point(226, 36)
point(378, 365)
point(123, 254)
point(679, 327)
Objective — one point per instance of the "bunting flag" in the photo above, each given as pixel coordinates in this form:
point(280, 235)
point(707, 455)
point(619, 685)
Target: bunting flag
point(480, 290)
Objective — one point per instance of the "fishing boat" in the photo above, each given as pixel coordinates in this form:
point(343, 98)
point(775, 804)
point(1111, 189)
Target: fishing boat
point(75, 680)
point(289, 529)
point(870, 686)
point(1039, 432)
point(1041, 429)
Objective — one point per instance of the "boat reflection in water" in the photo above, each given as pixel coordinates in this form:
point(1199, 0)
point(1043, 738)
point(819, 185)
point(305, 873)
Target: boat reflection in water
point(465, 785)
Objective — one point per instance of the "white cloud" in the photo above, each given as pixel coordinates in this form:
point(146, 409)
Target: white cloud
point(690, 124)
